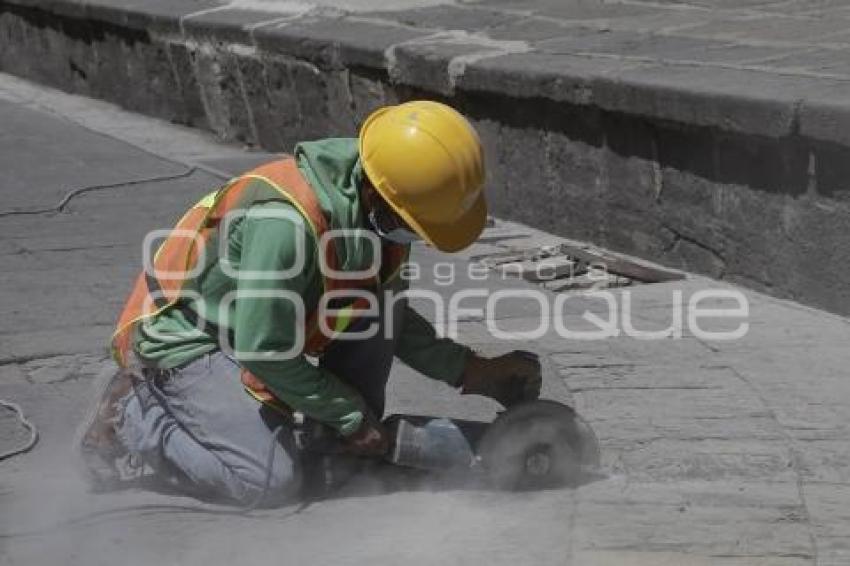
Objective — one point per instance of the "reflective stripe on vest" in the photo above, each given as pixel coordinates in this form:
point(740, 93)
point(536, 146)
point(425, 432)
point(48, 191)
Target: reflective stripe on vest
point(177, 257)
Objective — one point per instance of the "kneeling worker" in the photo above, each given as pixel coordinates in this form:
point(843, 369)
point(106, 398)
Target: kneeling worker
point(203, 389)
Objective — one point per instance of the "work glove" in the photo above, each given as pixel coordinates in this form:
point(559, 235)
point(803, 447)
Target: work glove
point(371, 439)
point(509, 379)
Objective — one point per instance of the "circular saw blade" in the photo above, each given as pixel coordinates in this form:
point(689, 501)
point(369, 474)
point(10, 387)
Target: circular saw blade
point(537, 444)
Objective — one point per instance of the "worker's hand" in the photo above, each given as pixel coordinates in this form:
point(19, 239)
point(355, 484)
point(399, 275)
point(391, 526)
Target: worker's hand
point(369, 440)
point(509, 379)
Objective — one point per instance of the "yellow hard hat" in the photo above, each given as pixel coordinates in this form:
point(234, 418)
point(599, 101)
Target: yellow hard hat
point(426, 161)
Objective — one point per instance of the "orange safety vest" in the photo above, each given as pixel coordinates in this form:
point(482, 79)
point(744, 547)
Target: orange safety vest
point(155, 292)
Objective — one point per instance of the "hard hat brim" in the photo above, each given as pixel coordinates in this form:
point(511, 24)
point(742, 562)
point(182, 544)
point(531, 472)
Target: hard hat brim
point(456, 236)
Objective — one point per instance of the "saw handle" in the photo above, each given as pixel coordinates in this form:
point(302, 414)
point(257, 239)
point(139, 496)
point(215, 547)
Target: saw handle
point(516, 391)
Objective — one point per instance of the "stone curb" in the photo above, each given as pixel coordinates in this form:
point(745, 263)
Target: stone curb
point(733, 99)
point(738, 100)
point(732, 172)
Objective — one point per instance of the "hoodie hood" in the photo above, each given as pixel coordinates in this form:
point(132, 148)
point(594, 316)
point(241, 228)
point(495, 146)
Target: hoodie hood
point(332, 167)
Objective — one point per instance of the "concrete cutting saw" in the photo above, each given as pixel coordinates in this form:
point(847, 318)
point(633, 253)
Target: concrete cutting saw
point(536, 444)
point(533, 445)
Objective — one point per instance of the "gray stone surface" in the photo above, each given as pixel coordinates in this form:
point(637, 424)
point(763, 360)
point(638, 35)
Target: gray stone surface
point(95, 163)
point(227, 25)
point(763, 41)
point(713, 453)
point(709, 135)
point(333, 42)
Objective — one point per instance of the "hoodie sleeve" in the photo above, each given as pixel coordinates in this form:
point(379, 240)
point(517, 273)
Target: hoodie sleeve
point(419, 347)
point(265, 321)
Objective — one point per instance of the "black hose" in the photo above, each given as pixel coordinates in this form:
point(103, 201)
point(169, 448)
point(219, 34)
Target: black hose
point(60, 206)
point(33, 438)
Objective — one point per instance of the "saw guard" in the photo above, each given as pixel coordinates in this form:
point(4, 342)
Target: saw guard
point(536, 445)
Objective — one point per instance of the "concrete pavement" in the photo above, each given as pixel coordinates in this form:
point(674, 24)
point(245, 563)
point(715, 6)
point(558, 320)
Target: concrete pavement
point(728, 453)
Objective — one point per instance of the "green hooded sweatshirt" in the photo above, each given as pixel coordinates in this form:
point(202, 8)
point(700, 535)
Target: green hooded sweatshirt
point(265, 240)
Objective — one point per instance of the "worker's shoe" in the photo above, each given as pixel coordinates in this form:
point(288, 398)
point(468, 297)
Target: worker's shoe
point(105, 461)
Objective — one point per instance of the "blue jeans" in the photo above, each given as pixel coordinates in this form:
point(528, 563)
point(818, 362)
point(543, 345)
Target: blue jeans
point(200, 425)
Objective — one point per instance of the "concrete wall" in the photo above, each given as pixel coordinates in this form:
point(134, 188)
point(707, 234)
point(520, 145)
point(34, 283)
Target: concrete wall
point(723, 175)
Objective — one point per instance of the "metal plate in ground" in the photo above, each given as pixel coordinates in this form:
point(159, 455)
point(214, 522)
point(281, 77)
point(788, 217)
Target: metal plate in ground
point(566, 267)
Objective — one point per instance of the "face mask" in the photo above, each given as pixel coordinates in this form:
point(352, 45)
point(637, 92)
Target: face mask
point(397, 235)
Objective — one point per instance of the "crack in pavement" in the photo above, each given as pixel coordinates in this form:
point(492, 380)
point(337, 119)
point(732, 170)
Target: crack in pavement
point(644, 388)
point(679, 237)
point(594, 366)
point(42, 356)
point(796, 460)
point(78, 367)
point(25, 251)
